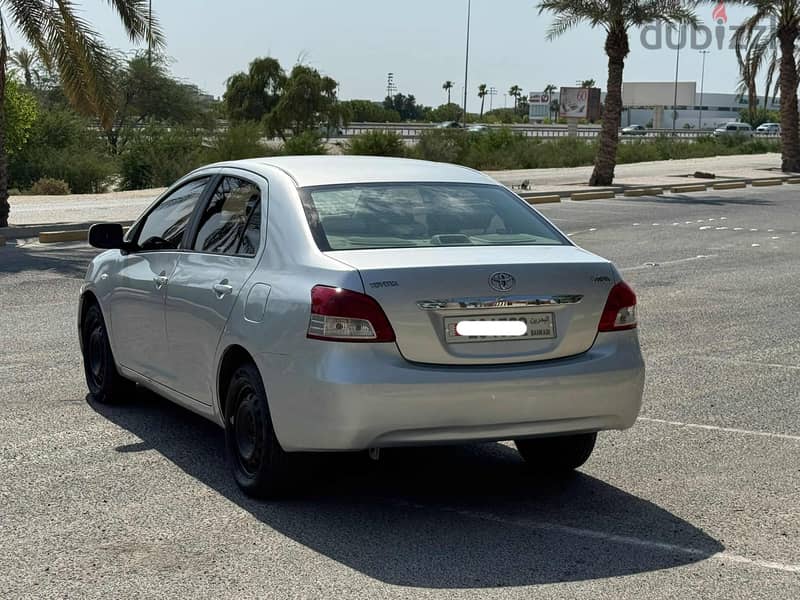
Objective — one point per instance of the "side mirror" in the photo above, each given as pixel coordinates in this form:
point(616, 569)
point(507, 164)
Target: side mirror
point(106, 235)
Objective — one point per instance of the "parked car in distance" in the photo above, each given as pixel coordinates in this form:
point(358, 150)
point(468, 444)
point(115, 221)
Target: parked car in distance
point(769, 129)
point(734, 129)
point(634, 130)
point(344, 303)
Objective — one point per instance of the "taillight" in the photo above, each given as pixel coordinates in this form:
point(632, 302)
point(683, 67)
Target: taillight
point(347, 316)
point(620, 310)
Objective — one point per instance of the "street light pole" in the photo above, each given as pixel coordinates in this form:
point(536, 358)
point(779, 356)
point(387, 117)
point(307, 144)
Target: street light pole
point(675, 97)
point(702, 80)
point(466, 61)
point(150, 32)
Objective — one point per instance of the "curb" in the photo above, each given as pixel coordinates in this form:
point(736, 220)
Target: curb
point(793, 180)
point(730, 185)
point(542, 199)
point(33, 231)
point(77, 235)
point(766, 182)
point(694, 187)
point(600, 195)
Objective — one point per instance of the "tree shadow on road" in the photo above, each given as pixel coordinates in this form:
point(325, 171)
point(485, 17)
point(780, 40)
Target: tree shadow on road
point(442, 517)
point(70, 260)
point(680, 199)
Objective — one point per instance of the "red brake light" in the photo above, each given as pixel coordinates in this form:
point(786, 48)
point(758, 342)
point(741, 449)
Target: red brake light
point(347, 316)
point(620, 310)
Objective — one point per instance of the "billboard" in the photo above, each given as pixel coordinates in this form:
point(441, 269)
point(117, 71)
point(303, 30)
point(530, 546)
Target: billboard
point(658, 93)
point(579, 103)
point(538, 106)
point(539, 98)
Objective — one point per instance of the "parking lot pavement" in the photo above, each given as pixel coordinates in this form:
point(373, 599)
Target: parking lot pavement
point(701, 499)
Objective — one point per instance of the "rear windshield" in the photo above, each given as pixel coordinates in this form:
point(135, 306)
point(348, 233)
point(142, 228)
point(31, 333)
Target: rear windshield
point(410, 215)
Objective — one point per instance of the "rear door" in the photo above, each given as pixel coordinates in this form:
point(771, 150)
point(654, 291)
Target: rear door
point(226, 243)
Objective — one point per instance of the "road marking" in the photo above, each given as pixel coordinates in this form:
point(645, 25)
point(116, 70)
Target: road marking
point(781, 436)
point(612, 537)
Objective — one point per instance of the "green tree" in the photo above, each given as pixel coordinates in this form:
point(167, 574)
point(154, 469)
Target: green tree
point(616, 17)
point(483, 91)
point(447, 86)
point(515, 92)
point(67, 45)
point(252, 95)
point(367, 111)
point(588, 83)
point(26, 61)
point(774, 22)
point(549, 89)
point(20, 111)
point(145, 91)
point(406, 106)
point(308, 102)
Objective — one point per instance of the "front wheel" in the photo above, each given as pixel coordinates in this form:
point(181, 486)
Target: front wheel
point(260, 466)
point(105, 383)
point(558, 454)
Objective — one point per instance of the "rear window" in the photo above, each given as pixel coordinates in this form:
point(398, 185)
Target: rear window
point(352, 217)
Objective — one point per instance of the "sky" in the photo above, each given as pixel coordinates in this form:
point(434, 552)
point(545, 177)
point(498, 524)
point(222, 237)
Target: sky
point(357, 42)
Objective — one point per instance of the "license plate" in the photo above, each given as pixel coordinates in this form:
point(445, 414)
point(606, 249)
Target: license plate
point(539, 326)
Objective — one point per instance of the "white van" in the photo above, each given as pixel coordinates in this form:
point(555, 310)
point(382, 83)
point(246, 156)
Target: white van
point(734, 128)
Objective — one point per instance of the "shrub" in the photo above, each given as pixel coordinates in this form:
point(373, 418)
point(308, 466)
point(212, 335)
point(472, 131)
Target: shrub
point(239, 141)
point(377, 143)
point(50, 187)
point(308, 142)
point(156, 156)
point(442, 145)
point(61, 145)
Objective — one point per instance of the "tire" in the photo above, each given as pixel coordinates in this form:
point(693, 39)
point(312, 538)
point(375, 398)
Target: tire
point(105, 383)
point(559, 454)
point(260, 466)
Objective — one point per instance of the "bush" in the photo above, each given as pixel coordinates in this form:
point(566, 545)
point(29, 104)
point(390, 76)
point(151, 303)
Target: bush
point(61, 145)
point(157, 156)
point(50, 187)
point(442, 145)
point(308, 142)
point(239, 141)
point(377, 143)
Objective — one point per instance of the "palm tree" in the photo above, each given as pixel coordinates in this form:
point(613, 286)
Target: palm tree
point(782, 18)
point(588, 83)
point(26, 61)
point(549, 89)
point(483, 91)
point(616, 17)
point(66, 44)
point(447, 86)
point(515, 92)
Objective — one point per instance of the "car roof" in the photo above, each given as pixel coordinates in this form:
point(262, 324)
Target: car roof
point(308, 171)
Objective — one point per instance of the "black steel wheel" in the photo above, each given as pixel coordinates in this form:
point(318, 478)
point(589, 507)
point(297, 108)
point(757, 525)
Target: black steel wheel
point(558, 454)
point(260, 466)
point(105, 383)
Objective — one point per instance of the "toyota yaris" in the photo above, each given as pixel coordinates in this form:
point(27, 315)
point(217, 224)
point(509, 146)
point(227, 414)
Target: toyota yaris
point(351, 303)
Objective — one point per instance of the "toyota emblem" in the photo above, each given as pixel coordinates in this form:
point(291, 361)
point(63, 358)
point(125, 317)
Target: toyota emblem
point(502, 282)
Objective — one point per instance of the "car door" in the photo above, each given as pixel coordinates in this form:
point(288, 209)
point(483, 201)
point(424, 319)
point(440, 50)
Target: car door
point(136, 304)
point(225, 247)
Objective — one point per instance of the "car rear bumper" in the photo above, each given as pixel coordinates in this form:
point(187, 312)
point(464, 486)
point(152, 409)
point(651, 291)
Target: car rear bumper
point(344, 396)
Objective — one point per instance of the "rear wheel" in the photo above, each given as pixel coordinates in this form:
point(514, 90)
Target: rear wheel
point(260, 466)
point(105, 383)
point(559, 454)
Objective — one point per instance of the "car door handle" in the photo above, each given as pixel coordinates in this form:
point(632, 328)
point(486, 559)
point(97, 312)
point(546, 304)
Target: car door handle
point(222, 289)
point(160, 281)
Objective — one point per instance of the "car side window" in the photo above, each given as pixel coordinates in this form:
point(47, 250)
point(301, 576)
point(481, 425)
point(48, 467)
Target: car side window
point(164, 227)
point(231, 223)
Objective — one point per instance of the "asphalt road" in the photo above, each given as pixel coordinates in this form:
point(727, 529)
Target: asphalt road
point(701, 499)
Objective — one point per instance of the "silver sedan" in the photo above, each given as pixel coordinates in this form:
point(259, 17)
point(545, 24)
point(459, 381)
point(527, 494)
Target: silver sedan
point(352, 303)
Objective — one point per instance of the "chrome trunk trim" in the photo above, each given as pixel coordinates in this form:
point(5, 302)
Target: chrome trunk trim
point(498, 302)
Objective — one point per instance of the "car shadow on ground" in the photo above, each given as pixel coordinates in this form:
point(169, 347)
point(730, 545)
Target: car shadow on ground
point(442, 517)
